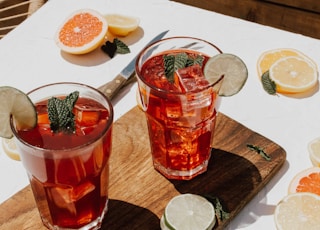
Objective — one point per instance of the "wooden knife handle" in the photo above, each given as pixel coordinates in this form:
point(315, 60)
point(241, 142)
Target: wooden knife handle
point(111, 88)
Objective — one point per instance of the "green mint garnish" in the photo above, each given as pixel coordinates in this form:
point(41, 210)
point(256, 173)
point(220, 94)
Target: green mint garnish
point(173, 62)
point(117, 46)
point(268, 85)
point(122, 48)
point(260, 151)
point(220, 212)
point(60, 113)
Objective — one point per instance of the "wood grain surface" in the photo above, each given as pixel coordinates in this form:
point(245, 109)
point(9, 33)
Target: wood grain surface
point(138, 194)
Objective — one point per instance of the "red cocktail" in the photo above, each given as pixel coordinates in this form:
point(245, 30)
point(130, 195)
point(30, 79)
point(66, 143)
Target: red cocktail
point(180, 108)
point(69, 171)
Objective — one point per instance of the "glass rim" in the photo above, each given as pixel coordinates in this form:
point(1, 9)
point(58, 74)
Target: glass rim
point(108, 125)
point(162, 91)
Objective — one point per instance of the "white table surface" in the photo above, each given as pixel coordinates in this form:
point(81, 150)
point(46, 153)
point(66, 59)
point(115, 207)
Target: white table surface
point(29, 58)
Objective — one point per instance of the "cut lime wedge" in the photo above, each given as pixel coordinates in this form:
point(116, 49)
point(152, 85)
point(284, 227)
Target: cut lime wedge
point(16, 103)
point(188, 212)
point(232, 68)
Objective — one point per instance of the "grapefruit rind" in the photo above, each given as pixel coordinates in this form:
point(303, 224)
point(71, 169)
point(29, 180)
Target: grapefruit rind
point(78, 26)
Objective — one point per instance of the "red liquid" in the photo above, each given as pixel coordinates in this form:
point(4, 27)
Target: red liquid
point(70, 187)
point(181, 120)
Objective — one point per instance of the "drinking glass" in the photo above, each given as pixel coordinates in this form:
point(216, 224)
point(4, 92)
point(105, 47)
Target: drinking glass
point(180, 111)
point(69, 172)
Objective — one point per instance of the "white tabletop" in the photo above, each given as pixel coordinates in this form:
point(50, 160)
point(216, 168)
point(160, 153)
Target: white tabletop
point(29, 58)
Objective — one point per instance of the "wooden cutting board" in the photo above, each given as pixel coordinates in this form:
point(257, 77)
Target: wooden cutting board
point(138, 194)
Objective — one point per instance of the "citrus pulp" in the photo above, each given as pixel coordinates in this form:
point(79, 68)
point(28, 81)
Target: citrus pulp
point(81, 32)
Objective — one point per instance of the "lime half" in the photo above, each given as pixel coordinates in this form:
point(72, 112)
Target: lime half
point(233, 69)
point(188, 212)
point(16, 103)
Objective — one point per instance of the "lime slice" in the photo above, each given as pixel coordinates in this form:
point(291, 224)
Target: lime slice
point(188, 211)
point(10, 148)
point(16, 103)
point(232, 68)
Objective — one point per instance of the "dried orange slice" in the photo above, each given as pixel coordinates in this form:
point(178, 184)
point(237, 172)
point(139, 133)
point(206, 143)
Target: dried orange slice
point(293, 75)
point(122, 25)
point(298, 211)
point(307, 180)
point(83, 31)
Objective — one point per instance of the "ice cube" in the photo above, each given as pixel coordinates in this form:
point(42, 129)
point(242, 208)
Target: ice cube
point(64, 196)
point(192, 79)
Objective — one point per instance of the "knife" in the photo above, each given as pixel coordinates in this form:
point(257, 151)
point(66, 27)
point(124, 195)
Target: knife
point(110, 89)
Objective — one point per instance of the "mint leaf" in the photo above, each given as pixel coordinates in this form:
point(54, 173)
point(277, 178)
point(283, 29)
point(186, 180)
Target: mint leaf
point(195, 61)
point(218, 208)
point(122, 48)
point(268, 85)
point(117, 46)
point(174, 62)
point(60, 113)
point(260, 151)
point(109, 48)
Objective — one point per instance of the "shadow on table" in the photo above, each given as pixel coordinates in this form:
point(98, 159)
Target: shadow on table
point(231, 178)
point(126, 216)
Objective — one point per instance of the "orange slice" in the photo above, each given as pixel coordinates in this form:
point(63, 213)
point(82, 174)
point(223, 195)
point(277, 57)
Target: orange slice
point(298, 211)
point(268, 58)
point(293, 75)
point(307, 180)
point(83, 31)
point(122, 25)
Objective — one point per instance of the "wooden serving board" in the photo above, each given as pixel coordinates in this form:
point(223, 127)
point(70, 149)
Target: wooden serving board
point(138, 193)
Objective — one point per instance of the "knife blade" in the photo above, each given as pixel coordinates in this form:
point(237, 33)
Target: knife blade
point(111, 88)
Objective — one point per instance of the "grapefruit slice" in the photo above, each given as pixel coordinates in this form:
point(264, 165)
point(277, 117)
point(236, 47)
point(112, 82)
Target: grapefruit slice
point(81, 32)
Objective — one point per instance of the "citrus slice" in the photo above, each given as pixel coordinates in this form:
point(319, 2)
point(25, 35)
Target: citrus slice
point(83, 31)
point(10, 148)
point(188, 211)
point(16, 103)
point(314, 152)
point(122, 25)
point(293, 75)
point(267, 58)
point(232, 68)
point(298, 211)
point(307, 180)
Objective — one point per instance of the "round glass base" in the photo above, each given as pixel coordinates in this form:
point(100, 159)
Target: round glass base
point(181, 175)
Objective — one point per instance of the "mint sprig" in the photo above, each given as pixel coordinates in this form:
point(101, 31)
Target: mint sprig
point(174, 62)
point(60, 113)
point(260, 151)
point(268, 85)
point(117, 46)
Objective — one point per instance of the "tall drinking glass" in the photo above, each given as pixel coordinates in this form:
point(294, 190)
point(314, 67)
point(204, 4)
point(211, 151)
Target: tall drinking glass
point(179, 103)
point(69, 172)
